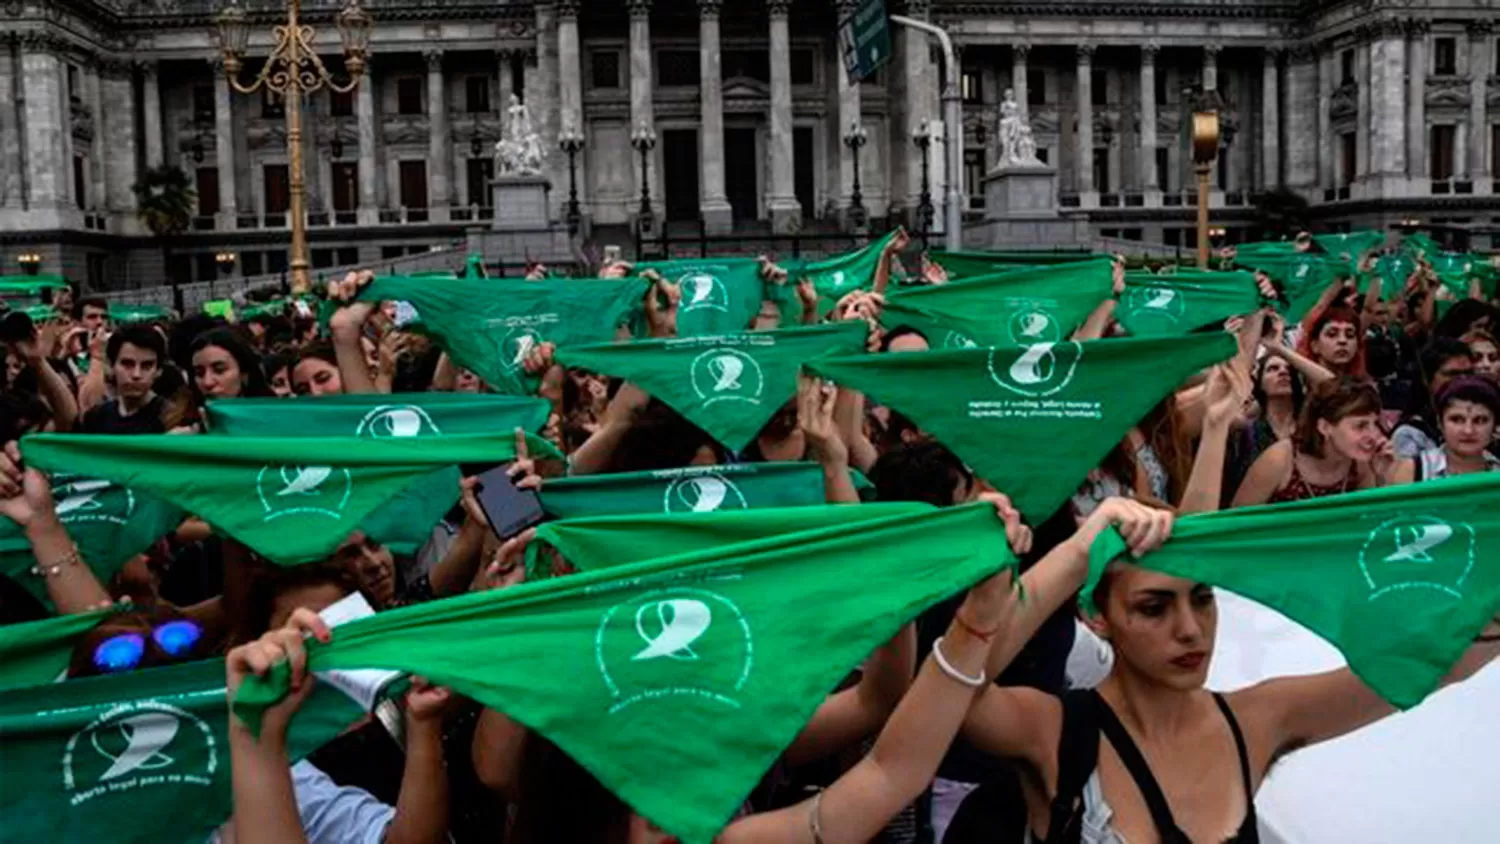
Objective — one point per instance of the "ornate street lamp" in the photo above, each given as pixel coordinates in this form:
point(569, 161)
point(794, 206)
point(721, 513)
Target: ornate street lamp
point(922, 137)
point(855, 139)
point(225, 260)
point(571, 141)
point(644, 140)
point(1205, 141)
point(30, 262)
point(293, 69)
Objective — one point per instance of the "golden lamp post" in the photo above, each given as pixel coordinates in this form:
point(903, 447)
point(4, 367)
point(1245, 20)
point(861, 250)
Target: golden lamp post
point(1205, 150)
point(293, 69)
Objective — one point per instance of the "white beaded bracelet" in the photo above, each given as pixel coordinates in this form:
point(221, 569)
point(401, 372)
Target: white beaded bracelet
point(942, 661)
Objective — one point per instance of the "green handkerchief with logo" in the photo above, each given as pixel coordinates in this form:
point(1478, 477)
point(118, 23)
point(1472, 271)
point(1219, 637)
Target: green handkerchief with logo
point(677, 681)
point(694, 489)
point(1172, 305)
point(1032, 420)
point(1043, 304)
point(719, 295)
point(969, 264)
point(1303, 277)
point(1350, 246)
point(134, 758)
point(729, 385)
point(405, 522)
point(291, 499)
point(1399, 579)
point(109, 523)
point(38, 652)
point(489, 325)
point(833, 278)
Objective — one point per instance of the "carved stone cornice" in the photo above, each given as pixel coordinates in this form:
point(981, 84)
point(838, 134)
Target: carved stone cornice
point(1481, 29)
point(1418, 27)
point(1021, 51)
point(1211, 51)
point(567, 10)
point(115, 68)
point(638, 9)
point(778, 8)
point(1448, 92)
point(1302, 53)
point(1149, 50)
point(1344, 101)
point(434, 59)
point(43, 41)
point(1084, 53)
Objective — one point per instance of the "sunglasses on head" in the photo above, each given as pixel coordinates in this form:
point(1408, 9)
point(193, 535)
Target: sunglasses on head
point(124, 651)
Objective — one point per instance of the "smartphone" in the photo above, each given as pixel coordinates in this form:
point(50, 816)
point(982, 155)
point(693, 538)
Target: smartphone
point(510, 510)
point(16, 327)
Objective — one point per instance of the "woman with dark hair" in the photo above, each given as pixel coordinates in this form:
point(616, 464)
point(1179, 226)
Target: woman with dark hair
point(225, 367)
point(148, 638)
point(316, 371)
point(1335, 339)
point(1441, 361)
point(1486, 353)
point(1467, 408)
point(1337, 441)
point(1279, 396)
point(278, 369)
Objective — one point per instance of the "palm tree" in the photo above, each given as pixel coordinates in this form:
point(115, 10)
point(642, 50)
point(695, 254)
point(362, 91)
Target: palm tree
point(165, 201)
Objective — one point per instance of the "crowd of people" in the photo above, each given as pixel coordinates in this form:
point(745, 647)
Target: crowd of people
point(981, 720)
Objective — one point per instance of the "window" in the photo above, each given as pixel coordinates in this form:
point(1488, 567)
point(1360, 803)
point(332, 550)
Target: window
point(1346, 67)
point(803, 67)
point(1348, 159)
point(276, 261)
point(1132, 234)
point(414, 184)
point(751, 64)
point(1160, 81)
point(341, 104)
point(1441, 150)
point(480, 172)
point(388, 253)
point(203, 103)
point(1036, 86)
point(1445, 56)
point(477, 94)
point(271, 104)
point(208, 191)
point(972, 86)
point(251, 263)
point(1099, 86)
point(278, 188)
point(1162, 166)
point(348, 256)
point(1101, 170)
point(345, 185)
point(74, 93)
point(605, 68)
point(322, 259)
point(179, 268)
point(408, 95)
point(1171, 236)
point(677, 68)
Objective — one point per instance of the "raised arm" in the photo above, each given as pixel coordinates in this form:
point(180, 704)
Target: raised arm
point(815, 407)
point(26, 499)
point(597, 452)
point(883, 267)
point(845, 717)
point(422, 806)
point(93, 389)
point(1098, 319)
point(1228, 387)
point(346, 325)
point(53, 387)
point(1275, 343)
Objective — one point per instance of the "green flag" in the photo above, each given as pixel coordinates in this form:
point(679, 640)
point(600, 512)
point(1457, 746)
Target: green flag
point(1032, 420)
point(405, 522)
point(489, 325)
point(1172, 305)
point(1303, 277)
point(966, 264)
point(729, 385)
point(1399, 579)
point(694, 489)
point(719, 295)
point(31, 285)
point(677, 681)
point(124, 314)
point(38, 652)
point(1043, 304)
point(1352, 244)
point(291, 499)
point(134, 758)
point(832, 278)
point(109, 523)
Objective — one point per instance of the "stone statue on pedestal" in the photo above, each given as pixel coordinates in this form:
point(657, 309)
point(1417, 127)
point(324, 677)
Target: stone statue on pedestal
point(520, 151)
point(1017, 146)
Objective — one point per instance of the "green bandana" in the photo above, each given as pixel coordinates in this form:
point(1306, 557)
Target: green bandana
point(1173, 305)
point(404, 523)
point(41, 313)
point(489, 325)
point(109, 523)
point(1398, 579)
point(719, 295)
point(32, 285)
point(130, 314)
point(1045, 304)
point(136, 758)
point(729, 385)
point(968, 264)
point(38, 652)
point(677, 681)
point(1031, 420)
point(833, 278)
point(291, 499)
point(695, 489)
point(1352, 244)
point(1303, 277)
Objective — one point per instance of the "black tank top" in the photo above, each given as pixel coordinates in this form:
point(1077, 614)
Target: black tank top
point(1093, 707)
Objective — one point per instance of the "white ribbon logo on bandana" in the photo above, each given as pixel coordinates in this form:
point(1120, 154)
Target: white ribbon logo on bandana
point(1041, 369)
point(724, 373)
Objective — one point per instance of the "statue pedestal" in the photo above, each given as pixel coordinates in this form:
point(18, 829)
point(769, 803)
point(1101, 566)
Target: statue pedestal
point(521, 203)
point(1020, 192)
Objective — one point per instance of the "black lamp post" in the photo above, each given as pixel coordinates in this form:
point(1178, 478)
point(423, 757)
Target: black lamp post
point(571, 141)
point(922, 137)
point(225, 260)
point(854, 139)
point(30, 262)
point(644, 140)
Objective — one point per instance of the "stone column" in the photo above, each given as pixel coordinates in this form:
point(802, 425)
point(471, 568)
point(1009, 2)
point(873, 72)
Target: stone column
point(1481, 48)
point(1270, 120)
point(368, 207)
point(507, 84)
point(1364, 123)
point(569, 65)
point(66, 184)
point(43, 121)
point(1019, 78)
point(439, 141)
point(781, 199)
point(1387, 104)
point(851, 112)
point(1301, 130)
point(1083, 156)
point(1461, 149)
point(1151, 180)
point(11, 163)
point(224, 148)
point(542, 97)
point(98, 167)
point(1210, 78)
point(1323, 68)
point(151, 113)
point(718, 217)
point(642, 109)
point(1416, 105)
point(118, 130)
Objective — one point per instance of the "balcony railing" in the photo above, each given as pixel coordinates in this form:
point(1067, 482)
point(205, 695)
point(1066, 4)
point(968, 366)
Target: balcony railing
point(1109, 200)
point(1068, 200)
point(471, 213)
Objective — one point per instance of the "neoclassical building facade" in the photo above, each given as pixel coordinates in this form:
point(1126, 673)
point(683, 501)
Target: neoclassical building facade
point(1373, 111)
